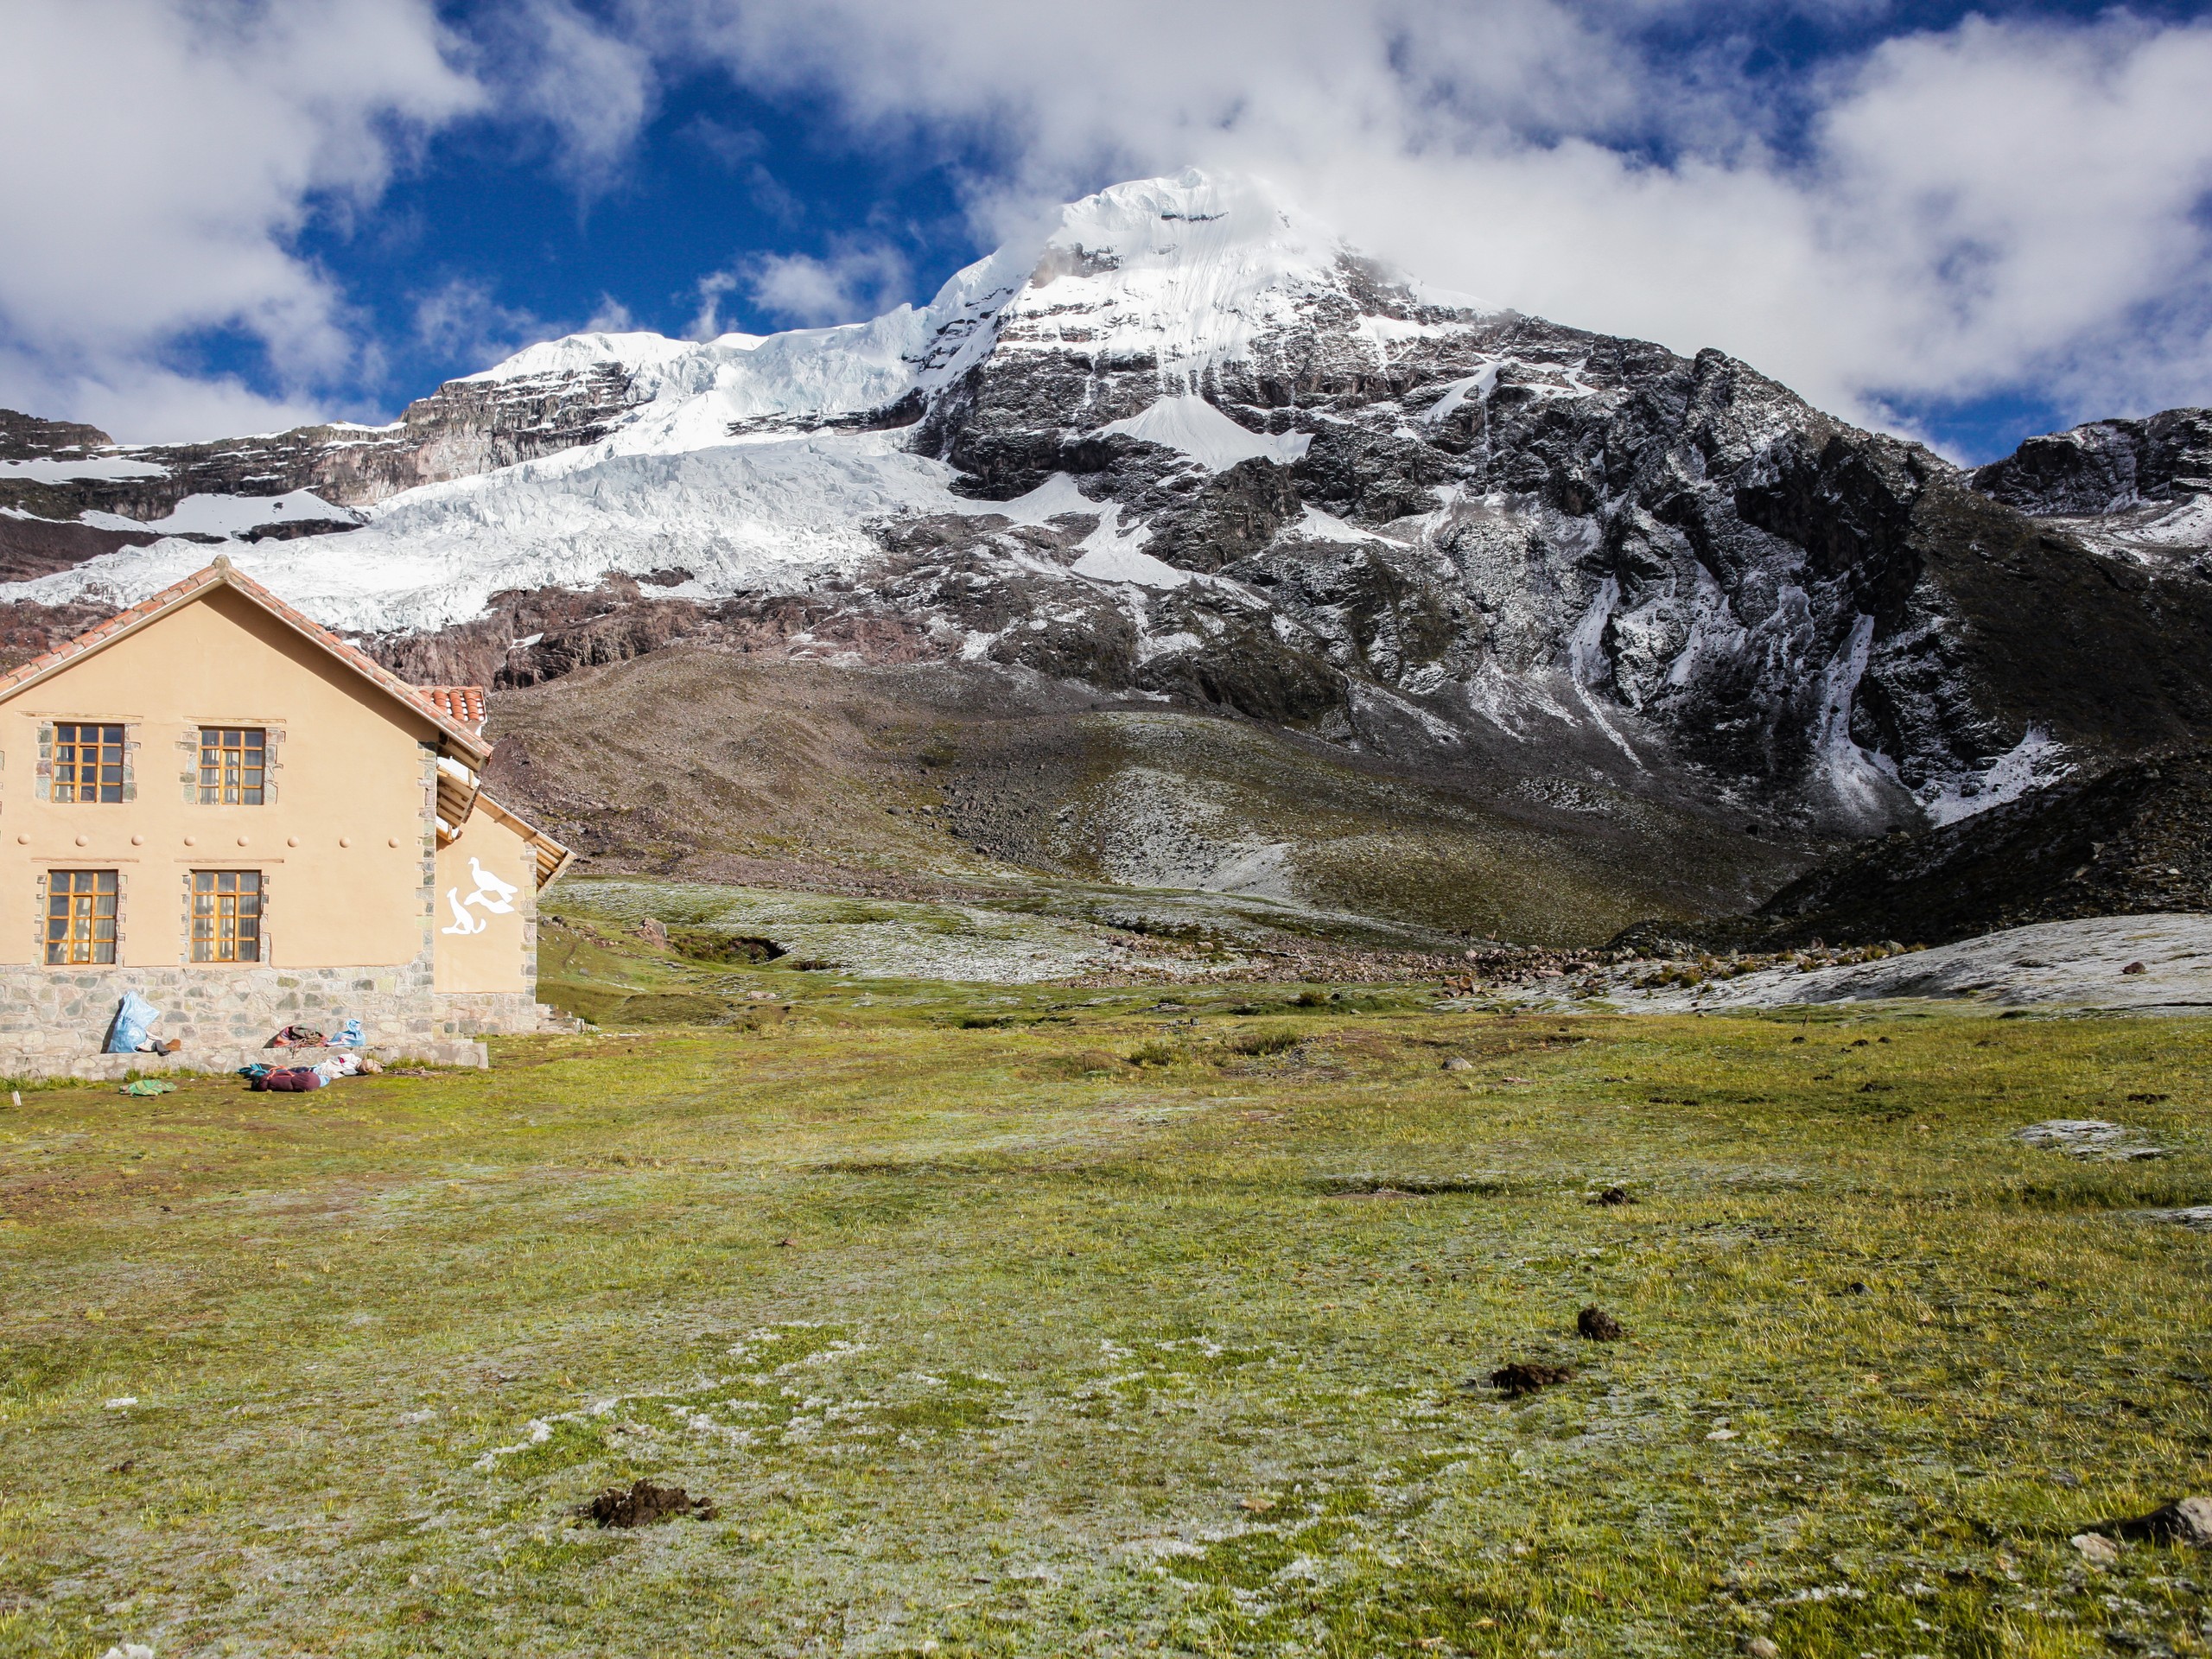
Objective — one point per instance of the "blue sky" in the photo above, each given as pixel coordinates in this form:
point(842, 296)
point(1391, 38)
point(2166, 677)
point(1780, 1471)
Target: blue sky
point(1965, 223)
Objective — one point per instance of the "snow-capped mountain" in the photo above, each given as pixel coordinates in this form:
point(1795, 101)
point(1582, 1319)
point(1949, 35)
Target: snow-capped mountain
point(1188, 446)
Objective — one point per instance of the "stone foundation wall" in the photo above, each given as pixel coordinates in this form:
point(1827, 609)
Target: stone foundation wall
point(50, 1016)
point(498, 1014)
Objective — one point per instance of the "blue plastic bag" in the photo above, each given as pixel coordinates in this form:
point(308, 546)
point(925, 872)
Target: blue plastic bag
point(133, 1019)
point(348, 1036)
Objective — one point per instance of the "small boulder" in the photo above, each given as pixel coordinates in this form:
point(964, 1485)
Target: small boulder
point(2184, 1520)
point(1760, 1646)
point(1614, 1197)
point(2135, 968)
point(1595, 1324)
point(1458, 1063)
point(2097, 1549)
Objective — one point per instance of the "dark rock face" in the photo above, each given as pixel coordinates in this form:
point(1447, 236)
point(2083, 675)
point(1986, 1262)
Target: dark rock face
point(26, 437)
point(39, 547)
point(1834, 623)
point(2106, 466)
point(464, 428)
point(2136, 839)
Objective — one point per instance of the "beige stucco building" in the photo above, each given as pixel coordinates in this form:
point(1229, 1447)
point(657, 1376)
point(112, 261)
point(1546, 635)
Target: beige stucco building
point(213, 801)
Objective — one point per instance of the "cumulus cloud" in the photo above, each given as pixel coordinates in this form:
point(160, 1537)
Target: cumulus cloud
point(858, 279)
point(591, 87)
point(2001, 204)
point(158, 167)
point(463, 321)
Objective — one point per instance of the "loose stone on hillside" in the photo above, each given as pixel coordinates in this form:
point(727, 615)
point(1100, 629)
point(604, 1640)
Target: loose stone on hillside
point(2096, 1549)
point(2185, 1520)
point(2087, 1137)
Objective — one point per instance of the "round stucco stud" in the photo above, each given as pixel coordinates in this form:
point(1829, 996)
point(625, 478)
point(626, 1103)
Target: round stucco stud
point(345, 841)
point(138, 841)
point(23, 840)
point(242, 841)
point(81, 840)
point(192, 840)
point(291, 840)
point(392, 841)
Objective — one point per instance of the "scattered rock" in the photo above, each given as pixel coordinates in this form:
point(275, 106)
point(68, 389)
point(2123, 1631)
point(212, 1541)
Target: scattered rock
point(2097, 1549)
point(653, 931)
point(1760, 1646)
point(2087, 1137)
point(1595, 1324)
point(1856, 1288)
point(123, 1468)
point(2198, 1216)
point(786, 1243)
point(1458, 1063)
point(1614, 1197)
point(1527, 1375)
point(2185, 1520)
point(644, 1505)
point(2135, 968)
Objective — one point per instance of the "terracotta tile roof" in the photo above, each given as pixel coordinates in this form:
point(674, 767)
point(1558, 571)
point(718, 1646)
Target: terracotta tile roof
point(552, 857)
point(462, 702)
point(470, 737)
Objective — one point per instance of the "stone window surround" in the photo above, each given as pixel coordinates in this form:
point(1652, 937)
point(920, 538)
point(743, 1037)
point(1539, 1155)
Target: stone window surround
point(122, 911)
point(42, 776)
point(184, 917)
point(272, 738)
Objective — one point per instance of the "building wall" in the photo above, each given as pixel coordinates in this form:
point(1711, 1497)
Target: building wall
point(485, 909)
point(346, 841)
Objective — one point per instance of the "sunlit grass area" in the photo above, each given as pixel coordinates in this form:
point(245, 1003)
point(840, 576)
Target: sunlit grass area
point(1061, 1322)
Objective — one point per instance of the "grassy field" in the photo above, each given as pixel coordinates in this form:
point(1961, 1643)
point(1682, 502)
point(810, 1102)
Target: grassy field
point(1054, 1322)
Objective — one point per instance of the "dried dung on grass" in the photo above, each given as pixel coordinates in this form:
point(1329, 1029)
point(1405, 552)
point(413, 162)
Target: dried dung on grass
point(1527, 1375)
point(1613, 1196)
point(644, 1503)
point(1595, 1324)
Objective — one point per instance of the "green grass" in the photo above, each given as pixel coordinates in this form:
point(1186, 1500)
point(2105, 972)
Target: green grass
point(982, 1336)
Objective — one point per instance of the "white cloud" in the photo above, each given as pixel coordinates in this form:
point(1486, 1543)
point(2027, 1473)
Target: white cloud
point(612, 317)
point(1999, 205)
point(859, 279)
point(158, 167)
point(592, 88)
point(462, 321)
point(856, 282)
point(712, 287)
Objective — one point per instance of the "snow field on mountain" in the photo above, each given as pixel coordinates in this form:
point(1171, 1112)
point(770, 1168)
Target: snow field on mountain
point(743, 516)
point(1196, 428)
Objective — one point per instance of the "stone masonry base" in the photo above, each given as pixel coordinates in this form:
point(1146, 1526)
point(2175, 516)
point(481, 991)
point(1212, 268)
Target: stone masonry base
point(54, 1021)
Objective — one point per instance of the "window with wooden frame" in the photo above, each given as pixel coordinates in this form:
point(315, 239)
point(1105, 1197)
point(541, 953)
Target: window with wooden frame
point(226, 916)
point(233, 766)
point(87, 761)
point(81, 912)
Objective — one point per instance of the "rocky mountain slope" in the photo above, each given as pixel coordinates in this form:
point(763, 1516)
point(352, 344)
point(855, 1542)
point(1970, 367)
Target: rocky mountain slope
point(1188, 453)
point(2133, 841)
